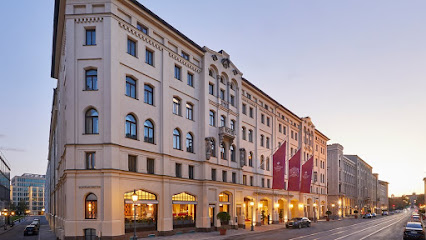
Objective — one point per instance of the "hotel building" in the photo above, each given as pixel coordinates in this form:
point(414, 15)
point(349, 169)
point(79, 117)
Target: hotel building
point(140, 108)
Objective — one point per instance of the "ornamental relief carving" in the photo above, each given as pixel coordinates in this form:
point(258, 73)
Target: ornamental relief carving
point(88, 19)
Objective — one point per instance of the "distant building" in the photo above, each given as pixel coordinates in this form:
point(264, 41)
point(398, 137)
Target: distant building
point(424, 180)
point(29, 188)
point(382, 192)
point(4, 186)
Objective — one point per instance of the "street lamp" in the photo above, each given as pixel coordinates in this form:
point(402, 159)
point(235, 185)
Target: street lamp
point(134, 199)
point(252, 215)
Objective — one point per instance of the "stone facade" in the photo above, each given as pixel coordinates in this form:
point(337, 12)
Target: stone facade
point(383, 196)
point(140, 108)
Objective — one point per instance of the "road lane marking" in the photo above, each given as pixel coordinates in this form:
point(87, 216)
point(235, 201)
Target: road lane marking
point(362, 230)
point(382, 229)
point(313, 234)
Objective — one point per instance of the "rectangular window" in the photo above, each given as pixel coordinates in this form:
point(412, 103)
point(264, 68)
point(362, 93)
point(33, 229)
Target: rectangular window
point(251, 180)
point(148, 94)
point(189, 111)
point(90, 160)
point(142, 28)
point(262, 118)
point(132, 163)
point(295, 136)
point(185, 56)
point(232, 100)
point(213, 174)
point(263, 182)
point(90, 37)
point(292, 134)
point(191, 171)
point(234, 177)
point(244, 179)
point(149, 57)
point(150, 166)
point(130, 87)
point(178, 170)
point(267, 121)
point(279, 127)
point(131, 47)
point(251, 112)
point(224, 176)
point(190, 79)
point(248, 96)
point(177, 72)
point(268, 183)
point(222, 94)
point(285, 131)
point(244, 109)
point(211, 88)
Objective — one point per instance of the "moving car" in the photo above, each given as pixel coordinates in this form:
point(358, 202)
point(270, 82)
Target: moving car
point(367, 215)
point(36, 224)
point(385, 213)
point(298, 223)
point(414, 230)
point(373, 215)
point(30, 230)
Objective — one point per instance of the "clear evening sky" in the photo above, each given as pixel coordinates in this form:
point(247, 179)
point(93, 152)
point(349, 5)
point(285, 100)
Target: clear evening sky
point(357, 68)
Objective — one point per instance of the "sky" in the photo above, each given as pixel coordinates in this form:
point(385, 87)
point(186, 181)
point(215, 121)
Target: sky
point(356, 67)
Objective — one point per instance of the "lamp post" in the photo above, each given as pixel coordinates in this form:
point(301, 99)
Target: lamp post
point(252, 215)
point(134, 199)
point(332, 205)
point(341, 207)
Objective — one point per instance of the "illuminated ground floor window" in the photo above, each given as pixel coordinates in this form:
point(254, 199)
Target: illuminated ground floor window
point(146, 212)
point(184, 206)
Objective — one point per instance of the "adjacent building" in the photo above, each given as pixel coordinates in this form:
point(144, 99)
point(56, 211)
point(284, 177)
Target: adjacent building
point(342, 181)
point(4, 186)
point(141, 109)
point(352, 185)
point(29, 188)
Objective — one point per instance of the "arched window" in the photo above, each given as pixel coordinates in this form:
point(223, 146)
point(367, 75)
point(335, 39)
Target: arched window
point(148, 131)
point(250, 159)
point(250, 135)
point(232, 123)
point(130, 87)
point(91, 80)
point(176, 139)
point(262, 162)
point(243, 132)
point(223, 151)
point(189, 143)
point(232, 151)
point(91, 206)
point(262, 140)
point(148, 94)
point(211, 73)
point(92, 121)
point(267, 163)
point(213, 143)
point(222, 121)
point(131, 127)
point(176, 106)
point(212, 118)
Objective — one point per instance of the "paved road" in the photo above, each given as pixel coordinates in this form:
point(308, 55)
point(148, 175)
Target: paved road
point(386, 228)
point(17, 232)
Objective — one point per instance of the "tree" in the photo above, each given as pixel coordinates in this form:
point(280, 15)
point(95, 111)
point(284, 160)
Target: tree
point(22, 207)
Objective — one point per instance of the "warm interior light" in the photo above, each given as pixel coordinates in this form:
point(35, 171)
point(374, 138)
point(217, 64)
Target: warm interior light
point(277, 205)
point(340, 202)
point(315, 204)
point(300, 205)
point(251, 203)
point(333, 205)
point(291, 205)
point(260, 205)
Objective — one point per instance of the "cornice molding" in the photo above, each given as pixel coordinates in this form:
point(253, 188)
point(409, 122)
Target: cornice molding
point(88, 19)
point(184, 61)
point(139, 35)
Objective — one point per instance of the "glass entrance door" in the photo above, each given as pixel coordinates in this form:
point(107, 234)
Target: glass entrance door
point(211, 215)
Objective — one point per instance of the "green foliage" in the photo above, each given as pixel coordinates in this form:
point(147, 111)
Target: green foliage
point(224, 217)
point(356, 211)
point(281, 213)
point(328, 212)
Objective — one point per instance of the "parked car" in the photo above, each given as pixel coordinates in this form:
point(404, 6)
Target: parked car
point(413, 230)
point(373, 215)
point(36, 224)
point(298, 223)
point(30, 230)
point(385, 213)
point(367, 215)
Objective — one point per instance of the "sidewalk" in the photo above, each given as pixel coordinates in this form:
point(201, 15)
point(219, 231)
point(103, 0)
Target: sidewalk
point(9, 227)
point(216, 235)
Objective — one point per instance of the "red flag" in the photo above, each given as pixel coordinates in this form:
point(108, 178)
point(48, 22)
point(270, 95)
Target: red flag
point(307, 176)
point(279, 168)
point(294, 172)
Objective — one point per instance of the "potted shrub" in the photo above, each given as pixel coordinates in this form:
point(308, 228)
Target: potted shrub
point(224, 218)
point(281, 215)
point(328, 215)
point(263, 216)
point(356, 214)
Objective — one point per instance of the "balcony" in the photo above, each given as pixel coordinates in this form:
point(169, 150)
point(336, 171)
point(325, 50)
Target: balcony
point(224, 104)
point(226, 133)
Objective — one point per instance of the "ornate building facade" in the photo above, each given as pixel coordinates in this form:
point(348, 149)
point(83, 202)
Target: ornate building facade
point(141, 109)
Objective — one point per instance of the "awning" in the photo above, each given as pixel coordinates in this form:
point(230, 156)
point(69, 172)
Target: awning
point(128, 201)
point(184, 202)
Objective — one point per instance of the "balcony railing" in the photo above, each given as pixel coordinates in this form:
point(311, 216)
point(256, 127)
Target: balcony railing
point(226, 133)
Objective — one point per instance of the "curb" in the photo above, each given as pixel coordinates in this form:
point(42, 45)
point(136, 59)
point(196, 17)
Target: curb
point(10, 228)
